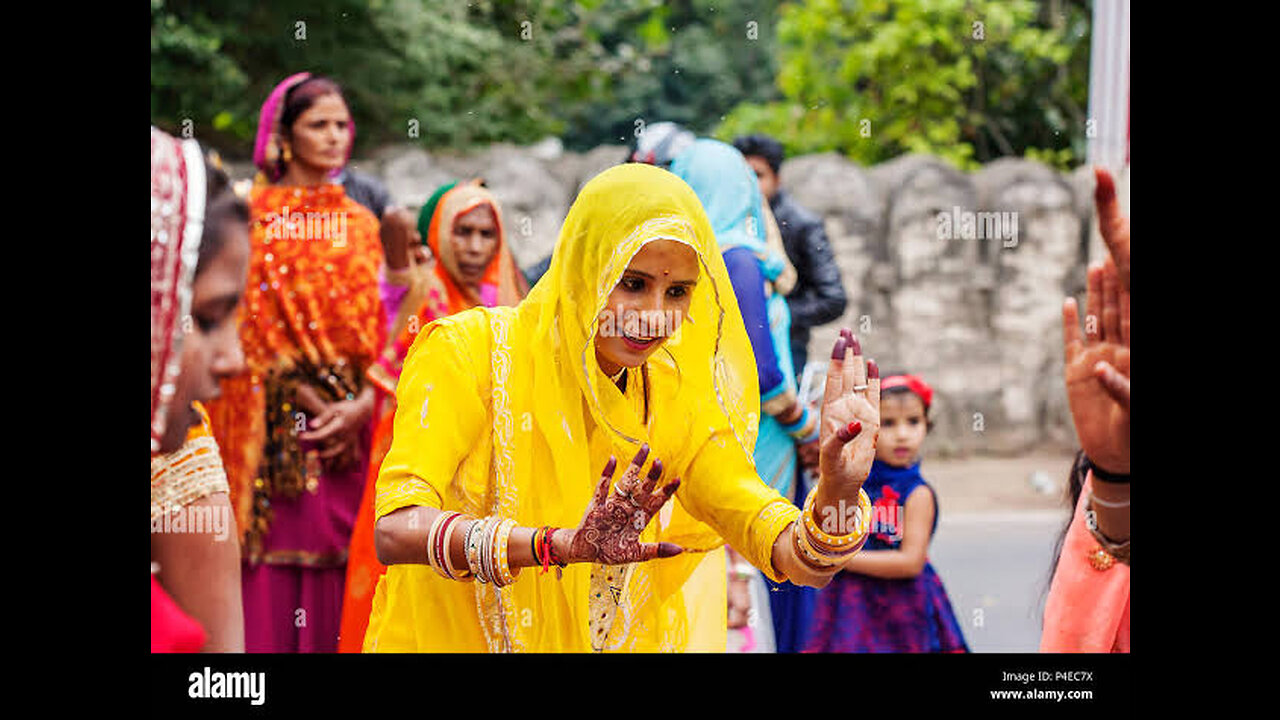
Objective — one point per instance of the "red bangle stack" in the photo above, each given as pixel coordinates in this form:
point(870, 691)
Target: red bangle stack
point(544, 550)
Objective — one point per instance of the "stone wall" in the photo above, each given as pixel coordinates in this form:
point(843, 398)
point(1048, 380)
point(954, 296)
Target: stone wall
point(978, 318)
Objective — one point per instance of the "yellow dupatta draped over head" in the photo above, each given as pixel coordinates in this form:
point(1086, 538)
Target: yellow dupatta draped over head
point(551, 420)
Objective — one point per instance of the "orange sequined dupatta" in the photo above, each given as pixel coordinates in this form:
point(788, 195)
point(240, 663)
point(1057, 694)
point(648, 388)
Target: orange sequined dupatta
point(311, 314)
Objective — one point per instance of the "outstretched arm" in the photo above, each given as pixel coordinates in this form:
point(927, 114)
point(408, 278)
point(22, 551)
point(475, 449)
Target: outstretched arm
point(608, 534)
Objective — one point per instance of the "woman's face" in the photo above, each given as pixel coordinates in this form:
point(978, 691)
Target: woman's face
point(475, 240)
point(647, 305)
point(321, 134)
point(211, 344)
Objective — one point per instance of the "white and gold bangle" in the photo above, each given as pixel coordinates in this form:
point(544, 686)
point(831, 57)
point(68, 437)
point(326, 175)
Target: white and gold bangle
point(501, 554)
point(474, 534)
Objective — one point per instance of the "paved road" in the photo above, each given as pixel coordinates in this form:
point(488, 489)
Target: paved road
point(996, 567)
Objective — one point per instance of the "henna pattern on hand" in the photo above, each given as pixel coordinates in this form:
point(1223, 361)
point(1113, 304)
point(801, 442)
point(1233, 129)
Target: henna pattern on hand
point(609, 533)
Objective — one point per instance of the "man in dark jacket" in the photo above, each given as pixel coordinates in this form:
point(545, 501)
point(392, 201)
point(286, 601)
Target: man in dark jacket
point(818, 296)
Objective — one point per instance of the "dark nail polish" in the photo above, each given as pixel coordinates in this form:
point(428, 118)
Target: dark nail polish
point(853, 343)
point(837, 353)
point(655, 472)
point(643, 454)
point(873, 370)
point(610, 466)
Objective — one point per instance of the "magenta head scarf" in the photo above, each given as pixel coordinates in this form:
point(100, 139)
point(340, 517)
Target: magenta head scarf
point(267, 146)
point(177, 221)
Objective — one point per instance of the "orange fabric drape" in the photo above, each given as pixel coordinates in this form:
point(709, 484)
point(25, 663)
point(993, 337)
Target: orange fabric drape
point(311, 300)
point(1088, 608)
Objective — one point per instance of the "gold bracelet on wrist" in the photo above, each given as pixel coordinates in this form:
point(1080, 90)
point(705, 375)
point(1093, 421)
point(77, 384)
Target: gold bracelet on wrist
point(805, 553)
point(1119, 551)
point(838, 544)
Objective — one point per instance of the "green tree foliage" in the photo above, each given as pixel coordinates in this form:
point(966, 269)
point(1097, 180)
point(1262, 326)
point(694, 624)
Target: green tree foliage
point(467, 73)
point(967, 80)
point(689, 62)
point(457, 74)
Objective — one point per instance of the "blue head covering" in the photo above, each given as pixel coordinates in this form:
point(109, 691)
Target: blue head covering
point(730, 194)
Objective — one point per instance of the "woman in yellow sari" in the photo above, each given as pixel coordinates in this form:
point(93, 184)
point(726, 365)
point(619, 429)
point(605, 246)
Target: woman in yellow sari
point(471, 265)
point(632, 340)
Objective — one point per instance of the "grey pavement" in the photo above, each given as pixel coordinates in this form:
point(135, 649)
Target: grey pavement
point(996, 568)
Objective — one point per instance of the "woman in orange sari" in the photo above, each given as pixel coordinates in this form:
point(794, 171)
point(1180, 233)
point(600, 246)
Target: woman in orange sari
point(294, 428)
point(472, 266)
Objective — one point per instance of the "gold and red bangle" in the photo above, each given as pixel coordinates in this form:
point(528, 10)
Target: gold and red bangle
point(824, 555)
point(438, 544)
point(443, 552)
point(838, 544)
point(806, 555)
point(432, 533)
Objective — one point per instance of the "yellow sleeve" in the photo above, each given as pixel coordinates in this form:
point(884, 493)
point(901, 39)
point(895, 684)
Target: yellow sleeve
point(439, 418)
point(724, 491)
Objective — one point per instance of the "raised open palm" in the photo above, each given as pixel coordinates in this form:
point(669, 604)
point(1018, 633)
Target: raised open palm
point(1097, 369)
point(850, 415)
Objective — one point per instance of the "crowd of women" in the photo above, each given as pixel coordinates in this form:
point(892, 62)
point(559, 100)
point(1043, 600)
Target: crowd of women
point(418, 447)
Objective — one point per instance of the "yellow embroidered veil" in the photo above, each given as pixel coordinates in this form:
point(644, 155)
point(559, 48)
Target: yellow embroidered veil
point(526, 434)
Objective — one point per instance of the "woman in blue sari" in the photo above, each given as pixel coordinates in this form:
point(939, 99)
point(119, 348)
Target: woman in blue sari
point(730, 194)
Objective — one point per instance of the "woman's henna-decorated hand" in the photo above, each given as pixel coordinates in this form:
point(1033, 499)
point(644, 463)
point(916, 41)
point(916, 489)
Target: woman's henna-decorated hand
point(850, 417)
point(609, 533)
point(1097, 369)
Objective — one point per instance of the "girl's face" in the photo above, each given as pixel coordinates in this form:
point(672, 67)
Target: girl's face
point(475, 241)
point(211, 344)
point(321, 134)
point(902, 429)
point(647, 305)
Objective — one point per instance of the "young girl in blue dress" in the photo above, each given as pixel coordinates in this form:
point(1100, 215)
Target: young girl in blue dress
point(889, 599)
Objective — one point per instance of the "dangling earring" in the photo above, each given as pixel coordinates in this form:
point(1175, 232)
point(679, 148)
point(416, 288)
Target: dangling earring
point(287, 155)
